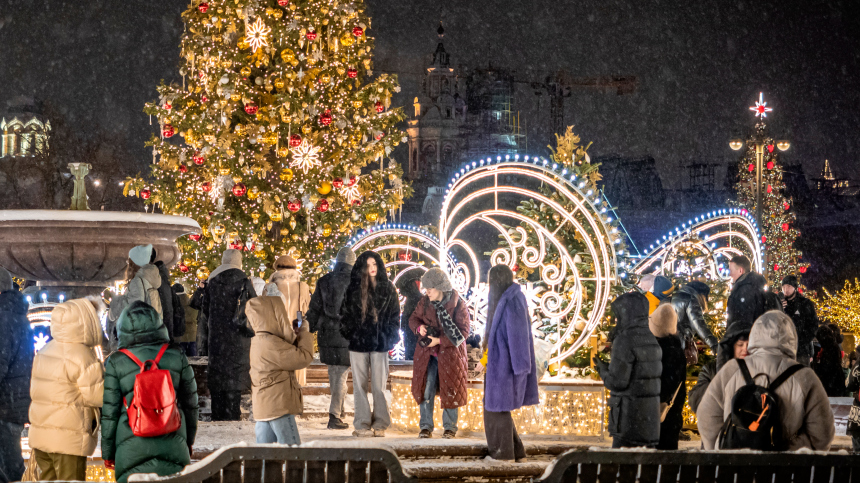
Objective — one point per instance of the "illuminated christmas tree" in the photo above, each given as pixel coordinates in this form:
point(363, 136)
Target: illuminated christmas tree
point(778, 231)
point(280, 111)
point(842, 307)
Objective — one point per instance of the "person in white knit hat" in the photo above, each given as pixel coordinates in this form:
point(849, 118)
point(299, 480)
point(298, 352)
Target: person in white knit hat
point(143, 283)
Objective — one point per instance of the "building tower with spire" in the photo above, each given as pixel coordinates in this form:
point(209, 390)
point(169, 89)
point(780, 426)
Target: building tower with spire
point(826, 180)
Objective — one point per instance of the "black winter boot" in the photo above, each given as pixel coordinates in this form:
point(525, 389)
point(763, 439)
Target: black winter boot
point(336, 423)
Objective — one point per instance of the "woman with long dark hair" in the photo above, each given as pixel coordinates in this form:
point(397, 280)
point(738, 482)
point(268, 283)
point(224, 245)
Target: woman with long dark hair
point(511, 379)
point(370, 321)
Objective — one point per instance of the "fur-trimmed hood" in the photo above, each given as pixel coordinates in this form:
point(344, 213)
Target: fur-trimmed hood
point(664, 321)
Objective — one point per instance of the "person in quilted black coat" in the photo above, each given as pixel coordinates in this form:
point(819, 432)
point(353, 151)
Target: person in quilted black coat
point(633, 375)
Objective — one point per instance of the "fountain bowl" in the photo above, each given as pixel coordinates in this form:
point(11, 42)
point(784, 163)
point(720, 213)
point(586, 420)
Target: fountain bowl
point(82, 252)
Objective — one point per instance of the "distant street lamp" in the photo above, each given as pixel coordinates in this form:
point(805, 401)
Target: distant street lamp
point(760, 144)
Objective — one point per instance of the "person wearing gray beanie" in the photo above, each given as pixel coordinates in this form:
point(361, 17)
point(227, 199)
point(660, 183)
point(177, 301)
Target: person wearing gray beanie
point(323, 316)
point(345, 255)
point(436, 278)
point(441, 321)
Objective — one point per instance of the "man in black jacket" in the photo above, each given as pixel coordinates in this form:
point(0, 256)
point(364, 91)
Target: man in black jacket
point(171, 307)
point(16, 364)
point(409, 286)
point(323, 316)
point(633, 375)
point(748, 299)
point(802, 313)
point(690, 304)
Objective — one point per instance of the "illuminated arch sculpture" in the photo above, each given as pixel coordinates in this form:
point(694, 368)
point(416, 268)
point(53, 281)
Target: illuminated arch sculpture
point(720, 235)
point(487, 192)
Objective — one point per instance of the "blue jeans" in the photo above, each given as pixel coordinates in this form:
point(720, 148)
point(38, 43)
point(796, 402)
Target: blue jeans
point(449, 416)
point(282, 431)
point(189, 348)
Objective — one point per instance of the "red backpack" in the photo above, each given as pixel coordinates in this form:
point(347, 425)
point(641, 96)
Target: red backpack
point(153, 410)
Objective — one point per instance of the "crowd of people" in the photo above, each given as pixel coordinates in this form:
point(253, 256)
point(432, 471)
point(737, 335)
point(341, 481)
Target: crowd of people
point(257, 336)
point(774, 354)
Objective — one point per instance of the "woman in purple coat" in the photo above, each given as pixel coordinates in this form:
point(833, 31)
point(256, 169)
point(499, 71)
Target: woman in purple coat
point(511, 379)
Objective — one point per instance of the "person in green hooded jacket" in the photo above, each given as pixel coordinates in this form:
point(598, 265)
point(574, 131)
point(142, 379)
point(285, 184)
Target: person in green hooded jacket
point(141, 330)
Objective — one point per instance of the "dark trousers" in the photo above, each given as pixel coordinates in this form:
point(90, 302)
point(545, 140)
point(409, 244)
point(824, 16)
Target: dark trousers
point(503, 442)
point(189, 348)
point(60, 467)
point(11, 462)
point(226, 405)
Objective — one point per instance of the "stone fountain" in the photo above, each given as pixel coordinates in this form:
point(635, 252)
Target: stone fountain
point(79, 252)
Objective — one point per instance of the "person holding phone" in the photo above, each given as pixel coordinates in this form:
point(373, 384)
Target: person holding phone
point(296, 295)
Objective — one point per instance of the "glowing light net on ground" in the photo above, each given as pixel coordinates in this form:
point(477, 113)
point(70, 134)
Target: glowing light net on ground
point(718, 235)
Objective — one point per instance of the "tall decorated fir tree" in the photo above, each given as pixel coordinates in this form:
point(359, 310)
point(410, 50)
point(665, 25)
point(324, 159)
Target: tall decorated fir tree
point(778, 217)
point(265, 140)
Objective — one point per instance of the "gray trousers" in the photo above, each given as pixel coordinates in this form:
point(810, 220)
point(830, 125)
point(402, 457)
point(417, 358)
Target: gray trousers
point(503, 442)
point(372, 367)
point(337, 385)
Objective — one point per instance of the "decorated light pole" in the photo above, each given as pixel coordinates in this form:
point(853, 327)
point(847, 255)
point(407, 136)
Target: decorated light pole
point(760, 190)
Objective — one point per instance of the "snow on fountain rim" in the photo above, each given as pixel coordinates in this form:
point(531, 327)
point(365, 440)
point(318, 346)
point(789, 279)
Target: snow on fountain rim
point(96, 216)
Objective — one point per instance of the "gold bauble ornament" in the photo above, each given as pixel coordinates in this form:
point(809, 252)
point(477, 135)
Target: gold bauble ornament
point(279, 83)
point(179, 184)
point(341, 71)
point(237, 179)
point(253, 193)
point(271, 138)
point(356, 104)
point(218, 229)
point(347, 39)
point(245, 71)
point(275, 216)
point(190, 103)
point(226, 64)
point(294, 237)
point(324, 188)
point(277, 13)
point(255, 215)
point(283, 151)
point(326, 230)
point(202, 273)
point(286, 174)
point(235, 97)
point(260, 253)
point(224, 171)
point(325, 79)
point(306, 129)
point(293, 223)
point(371, 217)
point(230, 152)
point(320, 246)
point(288, 55)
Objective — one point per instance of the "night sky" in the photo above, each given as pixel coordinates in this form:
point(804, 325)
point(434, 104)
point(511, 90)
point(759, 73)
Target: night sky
point(700, 65)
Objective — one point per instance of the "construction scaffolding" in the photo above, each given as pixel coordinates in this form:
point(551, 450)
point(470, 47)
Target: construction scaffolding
point(493, 124)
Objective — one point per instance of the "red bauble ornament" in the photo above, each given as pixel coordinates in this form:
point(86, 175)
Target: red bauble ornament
point(323, 205)
point(294, 206)
point(168, 131)
point(786, 206)
point(785, 227)
point(357, 31)
point(311, 35)
point(167, 106)
point(183, 168)
point(352, 180)
point(802, 269)
point(379, 106)
point(203, 7)
point(515, 268)
point(206, 186)
point(769, 189)
point(204, 99)
point(183, 268)
point(770, 165)
point(237, 246)
point(195, 236)
point(352, 72)
point(356, 202)
point(295, 140)
point(283, 3)
point(751, 168)
point(770, 148)
point(145, 194)
point(199, 160)
point(763, 238)
point(380, 136)
point(325, 118)
point(404, 256)
point(337, 183)
point(251, 108)
point(239, 189)
point(775, 267)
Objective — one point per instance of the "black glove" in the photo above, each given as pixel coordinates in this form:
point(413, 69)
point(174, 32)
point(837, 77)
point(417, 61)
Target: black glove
point(600, 365)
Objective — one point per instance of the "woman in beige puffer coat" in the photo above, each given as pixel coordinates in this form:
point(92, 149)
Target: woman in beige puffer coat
point(277, 352)
point(66, 389)
point(807, 421)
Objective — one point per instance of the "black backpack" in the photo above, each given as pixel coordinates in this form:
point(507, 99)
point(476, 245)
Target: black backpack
point(755, 420)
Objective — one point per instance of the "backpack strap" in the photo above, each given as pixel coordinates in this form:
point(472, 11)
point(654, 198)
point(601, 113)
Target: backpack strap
point(133, 357)
point(160, 353)
point(745, 371)
point(784, 376)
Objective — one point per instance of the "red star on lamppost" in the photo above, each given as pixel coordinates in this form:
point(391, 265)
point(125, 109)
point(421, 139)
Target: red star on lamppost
point(760, 107)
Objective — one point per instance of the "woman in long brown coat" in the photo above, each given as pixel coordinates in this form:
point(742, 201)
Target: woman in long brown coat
point(441, 321)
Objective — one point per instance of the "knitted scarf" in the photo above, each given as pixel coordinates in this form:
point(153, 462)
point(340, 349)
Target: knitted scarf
point(448, 326)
